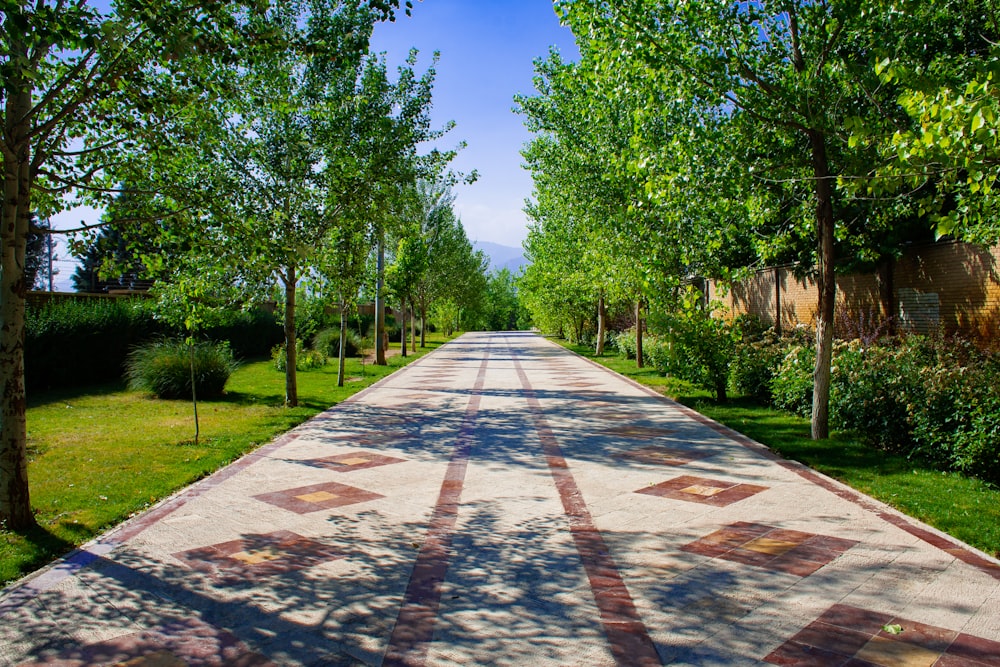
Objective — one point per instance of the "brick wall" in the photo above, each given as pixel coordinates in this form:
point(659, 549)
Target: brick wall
point(949, 286)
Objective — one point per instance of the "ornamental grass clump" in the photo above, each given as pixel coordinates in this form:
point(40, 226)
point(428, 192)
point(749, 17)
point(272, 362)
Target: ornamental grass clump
point(305, 359)
point(327, 342)
point(163, 367)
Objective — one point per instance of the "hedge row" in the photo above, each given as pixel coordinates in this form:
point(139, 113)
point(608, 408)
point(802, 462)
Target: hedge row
point(70, 343)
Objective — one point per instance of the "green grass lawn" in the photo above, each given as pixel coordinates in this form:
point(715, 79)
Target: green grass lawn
point(966, 508)
point(100, 454)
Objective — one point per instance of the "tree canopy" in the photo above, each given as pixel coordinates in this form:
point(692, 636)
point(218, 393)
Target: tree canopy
point(254, 141)
point(703, 139)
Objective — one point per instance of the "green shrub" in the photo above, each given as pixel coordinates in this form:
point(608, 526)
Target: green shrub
point(754, 366)
point(976, 447)
point(391, 328)
point(700, 346)
point(656, 350)
point(163, 367)
point(87, 340)
point(305, 359)
point(871, 389)
point(624, 342)
point(327, 342)
point(957, 422)
point(792, 386)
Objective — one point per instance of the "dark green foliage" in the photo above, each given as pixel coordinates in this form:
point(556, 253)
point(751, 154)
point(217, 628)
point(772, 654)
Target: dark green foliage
point(792, 386)
point(698, 346)
point(327, 342)
point(754, 367)
point(87, 340)
point(759, 353)
point(250, 334)
point(84, 341)
point(391, 327)
point(163, 368)
point(934, 400)
point(624, 342)
point(955, 420)
point(871, 389)
point(111, 261)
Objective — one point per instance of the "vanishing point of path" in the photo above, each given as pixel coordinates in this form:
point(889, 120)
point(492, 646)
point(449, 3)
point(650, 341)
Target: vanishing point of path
point(504, 502)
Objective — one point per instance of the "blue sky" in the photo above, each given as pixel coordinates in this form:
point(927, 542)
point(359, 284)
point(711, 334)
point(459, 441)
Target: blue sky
point(487, 51)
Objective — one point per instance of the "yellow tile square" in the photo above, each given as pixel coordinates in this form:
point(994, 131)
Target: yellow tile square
point(356, 461)
point(702, 490)
point(257, 556)
point(893, 653)
point(317, 496)
point(768, 546)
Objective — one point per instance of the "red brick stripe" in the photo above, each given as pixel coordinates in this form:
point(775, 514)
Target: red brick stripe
point(414, 627)
point(627, 635)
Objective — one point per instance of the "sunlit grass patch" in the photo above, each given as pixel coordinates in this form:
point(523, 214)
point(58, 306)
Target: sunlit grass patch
point(102, 453)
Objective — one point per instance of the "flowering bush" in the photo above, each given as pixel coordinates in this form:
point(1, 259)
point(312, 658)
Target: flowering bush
point(871, 391)
point(792, 385)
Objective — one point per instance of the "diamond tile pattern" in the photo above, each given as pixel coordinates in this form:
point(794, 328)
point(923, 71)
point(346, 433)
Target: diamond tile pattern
point(789, 551)
point(316, 497)
point(662, 455)
point(703, 490)
point(846, 635)
point(256, 556)
point(353, 461)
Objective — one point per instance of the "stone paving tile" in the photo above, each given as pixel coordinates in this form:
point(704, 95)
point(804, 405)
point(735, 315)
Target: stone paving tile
point(513, 504)
point(316, 497)
point(693, 489)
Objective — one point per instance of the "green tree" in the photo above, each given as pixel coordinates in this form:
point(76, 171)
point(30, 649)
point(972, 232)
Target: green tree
point(945, 60)
point(80, 88)
point(450, 270)
point(502, 306)
point(606, 245)
point(772, 88)
point(314, 134)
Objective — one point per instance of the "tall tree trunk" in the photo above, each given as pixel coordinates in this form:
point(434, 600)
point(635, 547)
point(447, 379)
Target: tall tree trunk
point(402, 326)
point(638, 334)
point(827, 284)
point(15, 502)
point(413, 326)
point(601, 323)
point(194, 391)
point(342, 355)
point(291, 379)
point(423, 323)
point(380, 302)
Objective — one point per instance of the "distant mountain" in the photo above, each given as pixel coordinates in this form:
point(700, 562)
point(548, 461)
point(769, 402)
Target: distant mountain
point(502, 256)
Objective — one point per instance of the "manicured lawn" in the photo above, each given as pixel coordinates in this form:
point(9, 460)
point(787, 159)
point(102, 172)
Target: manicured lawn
point(966, 508)
point(100, 454)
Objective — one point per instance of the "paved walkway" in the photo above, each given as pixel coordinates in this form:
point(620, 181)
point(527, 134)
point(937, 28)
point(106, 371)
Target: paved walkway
point(504, 502)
